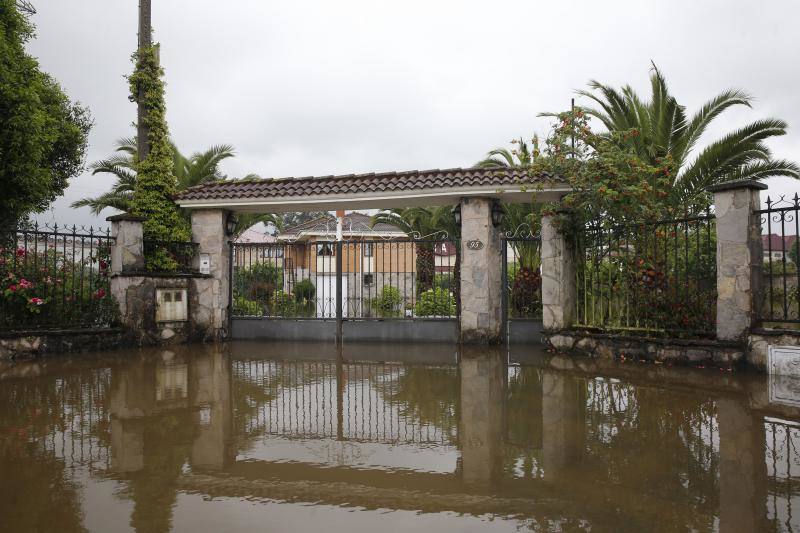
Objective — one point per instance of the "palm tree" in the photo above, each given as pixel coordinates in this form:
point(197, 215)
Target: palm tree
point(664, 132)
point(514, 158)
point(200, 167)
point(421, 223)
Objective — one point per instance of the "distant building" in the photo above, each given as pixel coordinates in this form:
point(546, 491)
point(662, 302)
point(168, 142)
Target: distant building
point(775, 246)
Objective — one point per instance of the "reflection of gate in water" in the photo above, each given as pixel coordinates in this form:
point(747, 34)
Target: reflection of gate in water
point(373, 402)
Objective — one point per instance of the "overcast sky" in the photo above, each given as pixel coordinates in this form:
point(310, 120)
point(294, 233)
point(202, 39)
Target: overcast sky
point(329, 87)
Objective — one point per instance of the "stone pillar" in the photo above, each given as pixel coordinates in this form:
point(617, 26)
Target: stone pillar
point(739, 256)
point(558, 278)
point(209, 304)
point(127, 253)
point(483, 390)
point(481, 273)
point(742, 468)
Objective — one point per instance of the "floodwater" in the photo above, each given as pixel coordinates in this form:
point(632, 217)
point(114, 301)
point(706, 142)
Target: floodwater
point(256, 436)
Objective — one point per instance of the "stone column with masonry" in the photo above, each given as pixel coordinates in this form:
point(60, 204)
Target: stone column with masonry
point(558, 278)
point(127, 253)
point(481, 273)
point(208, 308)
point(739, 256)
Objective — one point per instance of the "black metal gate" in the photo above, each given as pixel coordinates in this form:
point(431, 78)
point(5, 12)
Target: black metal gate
point(522, 287)
point(391, 281)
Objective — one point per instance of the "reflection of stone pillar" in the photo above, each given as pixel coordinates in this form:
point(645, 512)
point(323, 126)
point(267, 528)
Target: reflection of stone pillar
point(563, 404)
point(132, 398)
point(742, 468)
point(127, 445)
point(482, 397)
point(212, 395)
point(481, 270)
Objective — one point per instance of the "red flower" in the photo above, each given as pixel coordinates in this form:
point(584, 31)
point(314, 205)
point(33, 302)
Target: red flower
point(21, 252)
point(25, 284)
point(36, 301)
point(12, 288)
point(101, 292)
point(103, 264)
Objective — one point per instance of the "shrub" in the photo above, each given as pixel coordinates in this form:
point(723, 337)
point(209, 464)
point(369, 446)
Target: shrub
point(388, 303)
point(244, 307)
point(282, 304)
point(258, 281)
point(444, 281)
point(304, 292)
point(436, 302)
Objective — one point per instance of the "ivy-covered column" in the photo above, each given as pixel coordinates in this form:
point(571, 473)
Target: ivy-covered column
point(558, 278)
point(211, 294)
point(739, 256)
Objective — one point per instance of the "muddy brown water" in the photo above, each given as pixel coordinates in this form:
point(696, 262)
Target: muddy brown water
point(302, 437)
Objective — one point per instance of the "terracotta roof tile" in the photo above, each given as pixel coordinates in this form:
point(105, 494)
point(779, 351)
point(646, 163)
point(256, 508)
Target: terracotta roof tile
point(372, 182)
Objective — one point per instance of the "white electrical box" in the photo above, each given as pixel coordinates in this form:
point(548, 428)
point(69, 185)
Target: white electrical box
point(205, 264)
point(171, 305)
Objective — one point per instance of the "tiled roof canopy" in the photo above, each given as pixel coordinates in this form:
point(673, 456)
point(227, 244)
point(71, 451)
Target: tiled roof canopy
point(365, 183)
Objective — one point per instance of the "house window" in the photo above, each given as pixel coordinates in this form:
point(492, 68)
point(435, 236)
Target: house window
point(368, 279)
point(325, 249)
point(367, 249)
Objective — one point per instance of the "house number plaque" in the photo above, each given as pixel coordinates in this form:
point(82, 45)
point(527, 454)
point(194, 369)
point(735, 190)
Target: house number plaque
point(474, 245)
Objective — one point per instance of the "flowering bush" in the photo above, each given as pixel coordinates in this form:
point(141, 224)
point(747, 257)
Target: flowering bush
point(42, 286)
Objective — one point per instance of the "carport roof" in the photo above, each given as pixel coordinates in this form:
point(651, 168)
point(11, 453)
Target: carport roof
point(388, 189)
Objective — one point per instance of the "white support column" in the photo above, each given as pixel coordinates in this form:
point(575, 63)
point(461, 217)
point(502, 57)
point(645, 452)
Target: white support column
point(739, 256)
point(481, 273)
point(558, 278)
point(209, 309)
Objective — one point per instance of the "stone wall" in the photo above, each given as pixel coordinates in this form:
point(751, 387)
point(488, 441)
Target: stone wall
point(673, 351)
point(136, 294)
point(36, 344)
point(760, 340)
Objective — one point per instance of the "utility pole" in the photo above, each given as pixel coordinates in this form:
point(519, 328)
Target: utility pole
point(145, 41)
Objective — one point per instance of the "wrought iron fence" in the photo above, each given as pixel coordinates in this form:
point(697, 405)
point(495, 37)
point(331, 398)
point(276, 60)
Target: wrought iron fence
point(783, 471)
point(522, 276)
point(655, 278)
point(780, 287)
point(174, 256)
point(55, 277)
point(363, 279)
point(371, 402)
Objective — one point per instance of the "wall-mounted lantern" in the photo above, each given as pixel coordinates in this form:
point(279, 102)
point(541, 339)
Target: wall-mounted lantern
point(457, 213)
point(497, 214)
point(230, 224)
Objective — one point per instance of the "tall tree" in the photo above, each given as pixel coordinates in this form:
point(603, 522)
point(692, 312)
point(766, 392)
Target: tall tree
point(663, 135)
point(43, 135)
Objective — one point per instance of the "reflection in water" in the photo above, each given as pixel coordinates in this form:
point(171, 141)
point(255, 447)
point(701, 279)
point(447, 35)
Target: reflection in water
point(506, 446)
